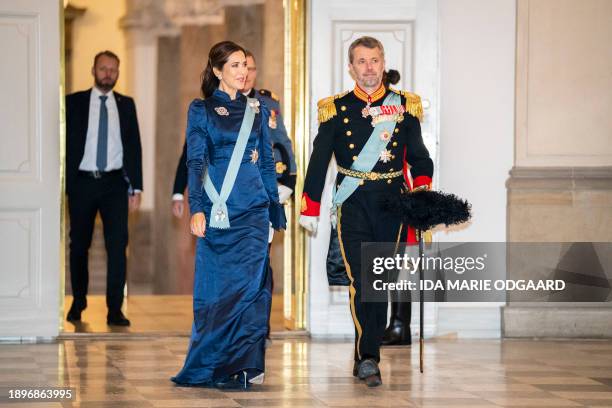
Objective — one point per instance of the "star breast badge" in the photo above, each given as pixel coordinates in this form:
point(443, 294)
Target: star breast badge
point(254, 156)
point(385, 156)
point(385, 136)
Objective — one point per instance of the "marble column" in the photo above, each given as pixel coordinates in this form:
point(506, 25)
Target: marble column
point(560, 189)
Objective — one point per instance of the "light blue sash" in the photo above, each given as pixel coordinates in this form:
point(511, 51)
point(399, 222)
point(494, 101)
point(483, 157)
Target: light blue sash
point(219, 216)
point(367, 158)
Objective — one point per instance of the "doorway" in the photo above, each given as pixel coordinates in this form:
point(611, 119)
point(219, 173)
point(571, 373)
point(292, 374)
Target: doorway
point(163, 50)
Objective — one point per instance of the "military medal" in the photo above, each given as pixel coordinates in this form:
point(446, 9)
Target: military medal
point(221, 110)
point(384, 113)
point(280, 167)
point(272, 120)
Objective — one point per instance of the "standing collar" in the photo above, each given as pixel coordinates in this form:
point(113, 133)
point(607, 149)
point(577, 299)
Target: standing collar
point(370, 98)
point(224, 96)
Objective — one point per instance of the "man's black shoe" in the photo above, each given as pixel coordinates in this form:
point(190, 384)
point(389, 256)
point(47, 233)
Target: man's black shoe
point(369, 372)
point(356, 369)
point(397, 334)
point(117, 319)
point(74, 314)
point(373, 380)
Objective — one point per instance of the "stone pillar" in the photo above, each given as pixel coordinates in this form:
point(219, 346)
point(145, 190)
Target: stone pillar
point(143, 22)
point(560, 189)
point(271, 68)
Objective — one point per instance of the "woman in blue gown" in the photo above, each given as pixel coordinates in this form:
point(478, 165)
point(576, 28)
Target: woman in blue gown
point(231, 287)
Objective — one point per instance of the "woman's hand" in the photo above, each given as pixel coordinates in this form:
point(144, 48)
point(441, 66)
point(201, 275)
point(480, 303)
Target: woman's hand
point(198, 224)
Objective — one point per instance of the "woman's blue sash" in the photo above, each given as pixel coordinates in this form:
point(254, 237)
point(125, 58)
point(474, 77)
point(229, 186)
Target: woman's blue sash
point(219, 216)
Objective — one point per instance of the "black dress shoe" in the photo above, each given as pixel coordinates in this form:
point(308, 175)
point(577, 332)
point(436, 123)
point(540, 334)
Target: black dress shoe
point(74, 314)
point(398, 331)
point(369, 372)
point(397, 334)
point(117, 319)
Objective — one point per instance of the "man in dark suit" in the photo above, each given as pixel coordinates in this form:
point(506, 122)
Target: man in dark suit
point(180, 184)
point(103, 173)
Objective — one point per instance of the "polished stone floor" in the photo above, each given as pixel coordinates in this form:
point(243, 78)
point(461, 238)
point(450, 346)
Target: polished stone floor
point(134, 372)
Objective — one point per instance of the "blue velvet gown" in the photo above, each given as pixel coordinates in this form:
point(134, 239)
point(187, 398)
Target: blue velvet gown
point(232, 294)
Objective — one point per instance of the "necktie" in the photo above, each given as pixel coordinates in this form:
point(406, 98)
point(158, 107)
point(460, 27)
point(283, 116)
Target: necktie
point(102, 135)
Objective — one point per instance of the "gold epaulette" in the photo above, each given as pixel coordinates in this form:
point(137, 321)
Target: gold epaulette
point(413, 103)
point(327, 107)
point(269, 94)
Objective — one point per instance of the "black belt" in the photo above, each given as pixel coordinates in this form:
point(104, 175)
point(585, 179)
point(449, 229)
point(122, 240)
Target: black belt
point(99, 174)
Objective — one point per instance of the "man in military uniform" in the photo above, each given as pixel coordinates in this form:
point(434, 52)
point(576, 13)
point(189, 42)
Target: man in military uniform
point(375, 135)
point(281, 144)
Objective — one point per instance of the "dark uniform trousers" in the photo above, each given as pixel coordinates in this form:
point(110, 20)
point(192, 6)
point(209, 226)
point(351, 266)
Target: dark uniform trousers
point(109, 196)
point(360, 220)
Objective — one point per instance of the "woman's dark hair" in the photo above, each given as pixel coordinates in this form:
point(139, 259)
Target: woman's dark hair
point(390, 77)
point(217, 57)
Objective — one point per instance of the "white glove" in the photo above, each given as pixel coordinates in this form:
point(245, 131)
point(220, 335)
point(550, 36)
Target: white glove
point(284, 193)
point(310, 223)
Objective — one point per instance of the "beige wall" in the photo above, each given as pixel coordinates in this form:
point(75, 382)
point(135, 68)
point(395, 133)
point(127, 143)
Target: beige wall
point(97, 30)
point(564, 66)
point(560, 189)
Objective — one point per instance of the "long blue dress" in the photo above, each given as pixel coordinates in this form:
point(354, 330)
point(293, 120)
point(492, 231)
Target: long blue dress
point(231, 287)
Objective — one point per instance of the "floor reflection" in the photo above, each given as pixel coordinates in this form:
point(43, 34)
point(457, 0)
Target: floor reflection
point(135, 372)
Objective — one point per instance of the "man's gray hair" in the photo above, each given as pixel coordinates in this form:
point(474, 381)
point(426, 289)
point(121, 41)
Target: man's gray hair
point(365, 41)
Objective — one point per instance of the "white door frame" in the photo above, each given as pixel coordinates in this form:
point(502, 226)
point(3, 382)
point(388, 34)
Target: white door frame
point(413, 22)
point(30, 95)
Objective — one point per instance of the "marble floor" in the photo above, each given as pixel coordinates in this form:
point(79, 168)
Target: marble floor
point(134, 372)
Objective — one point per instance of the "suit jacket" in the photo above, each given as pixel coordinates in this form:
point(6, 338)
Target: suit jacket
point(77, 118)
point(180, 179)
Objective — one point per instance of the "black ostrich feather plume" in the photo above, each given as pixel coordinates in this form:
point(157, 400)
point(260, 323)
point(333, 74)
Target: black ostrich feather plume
point(424, 210)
